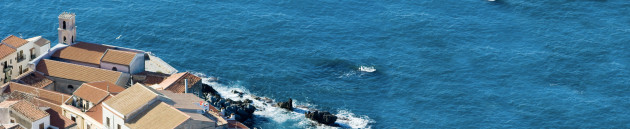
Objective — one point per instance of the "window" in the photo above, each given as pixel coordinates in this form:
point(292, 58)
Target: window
point(70, 87)
point(72, 40)
point(73, 118)
point(41, 126)
point(107, 121)
point(64, 27)
point(118, 126)
point(12, 121)
point(64, 38)
point(115, 69)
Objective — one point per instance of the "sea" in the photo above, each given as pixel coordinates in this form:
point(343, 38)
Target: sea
point(379, 64)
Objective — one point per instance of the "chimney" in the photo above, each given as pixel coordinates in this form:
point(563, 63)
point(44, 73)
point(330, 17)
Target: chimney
point(185, 85)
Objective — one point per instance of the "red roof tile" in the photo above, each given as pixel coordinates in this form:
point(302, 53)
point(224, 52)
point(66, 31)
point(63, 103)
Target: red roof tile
point(82, 52)
point(5, 50)
point(176, 83)
point(14, 41)
point(90, 93)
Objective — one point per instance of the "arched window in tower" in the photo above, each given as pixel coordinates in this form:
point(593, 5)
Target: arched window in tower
point(64, 38)
point(64, 25)
point(115, 69)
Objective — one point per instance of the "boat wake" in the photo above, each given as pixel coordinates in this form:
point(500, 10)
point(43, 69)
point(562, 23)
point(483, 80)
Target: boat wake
point(266, 111)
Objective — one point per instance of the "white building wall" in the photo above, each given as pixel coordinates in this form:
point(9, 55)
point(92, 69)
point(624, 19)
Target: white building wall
point(4, 116)
point(45, 121)
point(26, 54)
point(114, 119)
point(110, 66)
point(137, 65)
point(43, 49)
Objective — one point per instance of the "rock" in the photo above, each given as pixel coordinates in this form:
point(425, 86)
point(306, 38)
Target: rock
point(267, 100)
point(248, 101)
point(250, 108)
point(243, 113)
point(322, 117)
point(286, 105)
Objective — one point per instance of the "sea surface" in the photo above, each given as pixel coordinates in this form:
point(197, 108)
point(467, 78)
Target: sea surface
point(380, 64)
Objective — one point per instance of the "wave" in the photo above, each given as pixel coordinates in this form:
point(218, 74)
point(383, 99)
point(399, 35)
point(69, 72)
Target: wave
point(266, 112)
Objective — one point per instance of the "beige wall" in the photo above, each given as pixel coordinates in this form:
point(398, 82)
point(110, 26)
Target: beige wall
point(11, 59)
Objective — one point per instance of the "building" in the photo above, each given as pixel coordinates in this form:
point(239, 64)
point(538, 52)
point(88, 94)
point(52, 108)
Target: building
point(35, 79)
point(67, 76)
point(67, 30)
point(102, 56)
point(42, 98)
point(181, 83)
point(140, 106)
point(25, 114)
point(190, 104)
point(85, 106)
point(15, 53)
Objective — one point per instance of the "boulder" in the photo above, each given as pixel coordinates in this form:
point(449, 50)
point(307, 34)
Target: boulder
point(322, 117)
point(286, 105)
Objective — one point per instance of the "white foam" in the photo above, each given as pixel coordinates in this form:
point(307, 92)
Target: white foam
point(280, 115)
point(347, 119)
point(368, 69)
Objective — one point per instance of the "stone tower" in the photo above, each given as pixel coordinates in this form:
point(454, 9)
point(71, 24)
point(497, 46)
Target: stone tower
point(67, 29)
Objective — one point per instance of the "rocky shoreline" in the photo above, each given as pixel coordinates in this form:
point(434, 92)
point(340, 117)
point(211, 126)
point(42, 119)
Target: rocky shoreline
point(243, 110)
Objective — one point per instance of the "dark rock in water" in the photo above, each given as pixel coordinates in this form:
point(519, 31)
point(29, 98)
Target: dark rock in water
point(286, 105)
point(240, 94)
point(322, 117)
point(250, 109)
point(248, 101)
point(208, 89)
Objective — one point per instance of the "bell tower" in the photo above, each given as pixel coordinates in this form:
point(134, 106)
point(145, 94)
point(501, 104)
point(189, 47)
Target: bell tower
point(67, 30)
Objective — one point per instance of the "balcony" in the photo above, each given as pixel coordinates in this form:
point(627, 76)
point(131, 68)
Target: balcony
point(20, 58)
point(7, 68)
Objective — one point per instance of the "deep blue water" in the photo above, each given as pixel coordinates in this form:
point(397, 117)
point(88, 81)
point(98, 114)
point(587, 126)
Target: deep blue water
point(439, 64)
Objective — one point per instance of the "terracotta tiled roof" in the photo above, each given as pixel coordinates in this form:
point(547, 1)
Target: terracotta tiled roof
point(158, 116)
point(105, 85)
point(52, 96)
point(36, 79)
point(29, 110)
point(58, 120)
point(233, 124)
point(82, 52)
point(96, 112)
point(131, 99)
point(5, 50)
point(118, 57)
point(90, 93)
point(151, 78)
point(76, 72)
point(14, 41)
point(176, 84)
